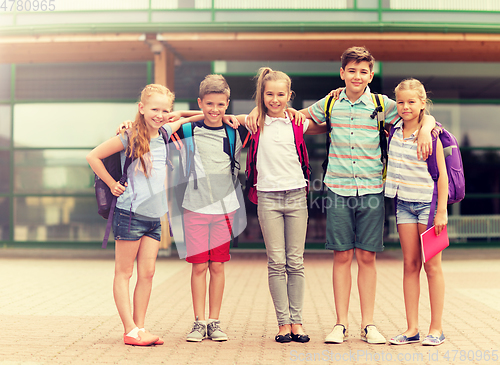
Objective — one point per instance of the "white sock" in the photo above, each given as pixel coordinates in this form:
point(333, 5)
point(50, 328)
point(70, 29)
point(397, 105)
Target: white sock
point(134, 333)
point(210, 320)
point(203, 322)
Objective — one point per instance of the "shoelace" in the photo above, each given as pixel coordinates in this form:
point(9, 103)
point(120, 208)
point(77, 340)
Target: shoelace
point(214, 326)
point(198, 327)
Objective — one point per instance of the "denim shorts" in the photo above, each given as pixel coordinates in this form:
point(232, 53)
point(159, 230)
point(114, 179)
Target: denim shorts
point(138, 227)
point(412, 212)
point(355, 222)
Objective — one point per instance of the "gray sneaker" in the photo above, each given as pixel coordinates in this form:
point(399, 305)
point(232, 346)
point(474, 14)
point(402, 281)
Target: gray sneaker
point(215, 333)
point(198, 332)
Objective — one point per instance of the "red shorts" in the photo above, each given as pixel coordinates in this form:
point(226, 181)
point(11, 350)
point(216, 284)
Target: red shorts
point(208, 236)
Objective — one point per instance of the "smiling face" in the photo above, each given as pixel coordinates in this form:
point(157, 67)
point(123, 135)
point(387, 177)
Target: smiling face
point(214, 107)
point(155, 109)
point(409, 105)
point(357, 76)
point(276, 97)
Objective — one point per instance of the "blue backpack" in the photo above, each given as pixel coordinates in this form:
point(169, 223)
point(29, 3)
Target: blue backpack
point(188, 140)
point(454, 168)
point(106, 201)
point(189, 168)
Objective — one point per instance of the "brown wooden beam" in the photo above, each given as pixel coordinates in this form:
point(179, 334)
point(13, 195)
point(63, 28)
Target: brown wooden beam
point(74, 48)
point(457, 47)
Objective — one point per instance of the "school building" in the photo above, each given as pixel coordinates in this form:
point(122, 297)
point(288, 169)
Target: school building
point(71, 71)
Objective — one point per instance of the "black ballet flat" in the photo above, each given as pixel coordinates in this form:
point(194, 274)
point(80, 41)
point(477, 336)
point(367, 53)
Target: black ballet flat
point(300, 338)
point(284, 338)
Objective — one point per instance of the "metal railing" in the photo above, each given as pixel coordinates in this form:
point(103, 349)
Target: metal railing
point(449, 5)
point(48, 16)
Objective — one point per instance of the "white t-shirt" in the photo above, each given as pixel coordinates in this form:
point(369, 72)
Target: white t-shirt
point(212, 163)
point(278, 163)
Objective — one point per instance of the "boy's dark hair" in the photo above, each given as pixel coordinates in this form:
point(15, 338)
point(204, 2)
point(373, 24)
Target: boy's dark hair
point(214, 84)
point(357, 54)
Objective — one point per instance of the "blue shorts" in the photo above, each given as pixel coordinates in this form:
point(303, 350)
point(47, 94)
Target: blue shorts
point(138, 227)
point(355, 222)
point(412, 212)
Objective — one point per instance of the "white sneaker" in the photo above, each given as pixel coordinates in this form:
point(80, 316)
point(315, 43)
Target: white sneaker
point(371, 334)
point(338, 334)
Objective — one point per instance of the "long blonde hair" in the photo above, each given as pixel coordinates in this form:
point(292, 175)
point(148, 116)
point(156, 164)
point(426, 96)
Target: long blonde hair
point(138, 134)
point(264, 75)
point(418, 87)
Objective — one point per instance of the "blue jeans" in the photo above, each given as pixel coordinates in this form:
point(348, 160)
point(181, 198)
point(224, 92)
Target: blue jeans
point(283, 221)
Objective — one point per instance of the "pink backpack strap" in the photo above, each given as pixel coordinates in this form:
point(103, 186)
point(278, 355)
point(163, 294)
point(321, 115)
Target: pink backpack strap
point(300, 145)
point(298, 132)
point(251, 168)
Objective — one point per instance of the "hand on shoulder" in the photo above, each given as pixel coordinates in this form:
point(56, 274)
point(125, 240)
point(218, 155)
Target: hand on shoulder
point(125, 125)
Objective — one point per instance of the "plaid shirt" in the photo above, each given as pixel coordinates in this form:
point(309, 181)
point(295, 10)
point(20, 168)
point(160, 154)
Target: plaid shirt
point(354, 165)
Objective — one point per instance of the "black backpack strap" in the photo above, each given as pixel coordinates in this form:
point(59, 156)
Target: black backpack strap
point(251, 164)
point(244, 135)
point(164, 135)
point(188, 133)
point(379, 114)
point(330, 100)
point(123, 180)
point(231, 138)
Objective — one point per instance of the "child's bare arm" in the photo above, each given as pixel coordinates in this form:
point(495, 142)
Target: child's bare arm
point(177, 124)
point(102, 151)
point(298, 115)
point(314, 128)
point(306, 113)
point(175, 116)
point(125, 125)
point(441, 218)
point(251, 120)
point(233, 120)
point(424, 139)
point(171, 117)
point(295, 115)
point(336, 93)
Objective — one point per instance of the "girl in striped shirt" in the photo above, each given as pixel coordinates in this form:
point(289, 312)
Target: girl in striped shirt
point(409, 182)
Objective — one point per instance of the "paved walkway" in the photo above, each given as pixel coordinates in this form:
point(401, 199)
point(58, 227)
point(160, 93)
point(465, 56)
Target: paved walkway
point(56, 307)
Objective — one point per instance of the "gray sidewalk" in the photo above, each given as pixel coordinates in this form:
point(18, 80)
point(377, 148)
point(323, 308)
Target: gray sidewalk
point(56, 307)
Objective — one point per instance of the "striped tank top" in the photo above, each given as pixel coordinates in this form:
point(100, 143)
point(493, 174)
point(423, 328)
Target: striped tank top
point(407, 176)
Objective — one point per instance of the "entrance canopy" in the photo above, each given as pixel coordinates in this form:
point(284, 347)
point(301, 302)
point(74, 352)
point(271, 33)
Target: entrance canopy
point(251, 46)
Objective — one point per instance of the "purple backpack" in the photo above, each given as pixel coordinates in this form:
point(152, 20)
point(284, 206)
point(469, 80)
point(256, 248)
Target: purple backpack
point(106, 201)
point(454, 168)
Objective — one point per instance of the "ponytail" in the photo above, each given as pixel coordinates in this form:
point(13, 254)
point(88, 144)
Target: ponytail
point(259, 96)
